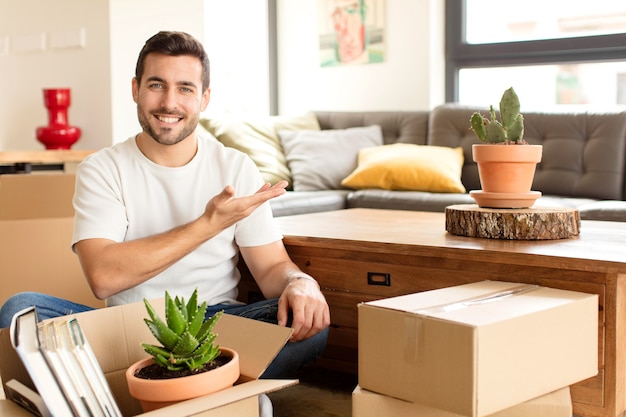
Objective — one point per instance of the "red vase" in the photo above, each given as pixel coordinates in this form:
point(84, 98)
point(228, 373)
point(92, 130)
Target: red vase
point(58, 134)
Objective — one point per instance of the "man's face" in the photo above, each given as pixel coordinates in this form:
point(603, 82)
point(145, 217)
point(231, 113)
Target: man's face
point(170, 97)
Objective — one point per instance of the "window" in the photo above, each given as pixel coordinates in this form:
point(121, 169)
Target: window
point(555, 52)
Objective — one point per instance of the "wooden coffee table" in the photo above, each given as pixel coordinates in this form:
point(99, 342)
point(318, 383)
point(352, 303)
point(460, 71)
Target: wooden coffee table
point(365, 254)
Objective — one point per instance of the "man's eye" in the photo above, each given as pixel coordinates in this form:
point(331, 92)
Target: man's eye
point(186, 90)
point(156, 85)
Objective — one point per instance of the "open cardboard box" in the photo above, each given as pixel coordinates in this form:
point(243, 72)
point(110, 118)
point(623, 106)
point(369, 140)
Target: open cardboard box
point(476, 349)
point(36, 223)
point(116, 333)
point(369, 404)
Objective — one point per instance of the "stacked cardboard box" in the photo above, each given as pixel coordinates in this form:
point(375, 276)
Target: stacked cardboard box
point(489, 348)
point(36, 221)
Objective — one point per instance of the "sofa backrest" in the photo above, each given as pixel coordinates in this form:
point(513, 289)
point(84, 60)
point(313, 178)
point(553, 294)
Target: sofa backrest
point(584, 152)
point(397, 126)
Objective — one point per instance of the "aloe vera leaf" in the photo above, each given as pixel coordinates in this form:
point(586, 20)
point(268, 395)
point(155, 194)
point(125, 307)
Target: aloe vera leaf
point(192, 305)
point(196, 319)
point(208, 325)
point(175, 319)
point(186, 345)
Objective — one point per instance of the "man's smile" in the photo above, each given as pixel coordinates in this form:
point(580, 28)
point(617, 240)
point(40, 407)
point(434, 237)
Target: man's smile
point(168, 119)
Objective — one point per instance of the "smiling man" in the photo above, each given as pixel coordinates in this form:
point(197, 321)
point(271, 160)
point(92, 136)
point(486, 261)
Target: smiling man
point(169, 209)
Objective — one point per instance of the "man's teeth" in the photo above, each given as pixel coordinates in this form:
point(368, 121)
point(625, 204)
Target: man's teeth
point(168, 119)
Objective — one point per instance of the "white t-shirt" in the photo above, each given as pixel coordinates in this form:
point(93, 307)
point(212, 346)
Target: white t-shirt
point(121, 195)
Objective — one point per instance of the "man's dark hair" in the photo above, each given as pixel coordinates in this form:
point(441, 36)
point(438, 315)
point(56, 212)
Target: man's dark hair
point(174, 44)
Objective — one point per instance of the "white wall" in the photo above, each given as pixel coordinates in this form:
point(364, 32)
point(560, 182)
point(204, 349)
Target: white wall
point(24, 74)
point(100, 73)
point(132, 23)
point(410, 78)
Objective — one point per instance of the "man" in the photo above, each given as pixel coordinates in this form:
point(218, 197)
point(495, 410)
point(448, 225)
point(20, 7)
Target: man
point(170, 210)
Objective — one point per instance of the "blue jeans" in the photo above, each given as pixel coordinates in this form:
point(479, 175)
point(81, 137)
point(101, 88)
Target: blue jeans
point(292, 357)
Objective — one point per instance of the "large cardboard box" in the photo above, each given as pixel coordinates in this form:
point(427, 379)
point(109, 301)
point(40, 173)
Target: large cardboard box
point(478, 348)
point(369, 404)
point(116, 333)
point(36, 223)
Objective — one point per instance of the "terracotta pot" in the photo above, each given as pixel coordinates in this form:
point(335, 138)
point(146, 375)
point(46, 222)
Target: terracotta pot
point(506, 173)
point(158, 393)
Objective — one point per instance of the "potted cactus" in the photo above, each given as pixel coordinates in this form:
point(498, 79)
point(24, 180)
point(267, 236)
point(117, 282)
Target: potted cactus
point(506, 162)
point(187, 363)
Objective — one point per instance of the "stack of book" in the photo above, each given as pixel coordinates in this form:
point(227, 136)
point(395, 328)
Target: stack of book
point(63, 368)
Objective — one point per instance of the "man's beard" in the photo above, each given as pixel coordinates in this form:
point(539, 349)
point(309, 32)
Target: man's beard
point(164, 138)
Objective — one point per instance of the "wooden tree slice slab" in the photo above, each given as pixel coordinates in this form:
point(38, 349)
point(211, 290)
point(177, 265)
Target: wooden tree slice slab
point(540, 223)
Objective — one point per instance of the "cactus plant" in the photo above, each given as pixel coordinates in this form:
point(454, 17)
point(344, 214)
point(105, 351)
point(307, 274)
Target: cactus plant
point(511, 127)
point(186, 335)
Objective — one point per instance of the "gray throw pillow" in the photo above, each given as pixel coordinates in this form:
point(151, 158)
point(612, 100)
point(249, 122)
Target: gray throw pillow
point(319, 160)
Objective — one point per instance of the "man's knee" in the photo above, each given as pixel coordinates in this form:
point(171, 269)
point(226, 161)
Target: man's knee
point(14, 304)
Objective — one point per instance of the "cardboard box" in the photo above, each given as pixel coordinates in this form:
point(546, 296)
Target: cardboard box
point(116, 333)
point(478, 348)
point(9, 408)
point(36, 223)
point(369, 404)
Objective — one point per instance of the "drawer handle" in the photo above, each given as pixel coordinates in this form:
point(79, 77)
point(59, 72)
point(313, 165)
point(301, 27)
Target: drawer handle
point(379, 278)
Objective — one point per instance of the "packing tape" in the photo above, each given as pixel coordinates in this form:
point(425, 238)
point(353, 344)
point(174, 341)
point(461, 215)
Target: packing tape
point(474, 301)
point(413, 323)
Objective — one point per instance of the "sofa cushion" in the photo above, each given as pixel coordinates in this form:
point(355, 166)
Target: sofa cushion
point(397, 126)
point(319, 160)
point(608, 210)
point(301, 202)
point(407, 167)
point(406, 200)
point(258, 137)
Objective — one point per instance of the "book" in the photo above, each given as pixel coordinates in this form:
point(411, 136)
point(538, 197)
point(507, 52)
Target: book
point(24, 339)
point(49, 346)
point(92, 368)
point(62, 365)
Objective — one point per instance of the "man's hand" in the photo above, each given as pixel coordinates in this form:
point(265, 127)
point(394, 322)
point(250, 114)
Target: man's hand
point(225, 210)
point(309, 308)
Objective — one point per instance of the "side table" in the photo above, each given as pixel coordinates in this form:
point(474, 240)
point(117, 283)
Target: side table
point(24, 162)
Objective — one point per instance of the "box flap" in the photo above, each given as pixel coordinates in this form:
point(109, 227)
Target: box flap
point(257, 342)
point(473, 304)
point(9, 408)
point(36, 196)
point(222, 398)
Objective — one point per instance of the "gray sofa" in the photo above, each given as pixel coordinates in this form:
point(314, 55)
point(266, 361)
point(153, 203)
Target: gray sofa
point(583, 164)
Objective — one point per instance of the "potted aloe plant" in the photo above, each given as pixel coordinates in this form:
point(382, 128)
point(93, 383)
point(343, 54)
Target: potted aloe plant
point(187, 363)
point(506, 162)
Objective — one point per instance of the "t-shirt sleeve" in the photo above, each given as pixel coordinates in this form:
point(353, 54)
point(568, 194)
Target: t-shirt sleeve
point(98, 205)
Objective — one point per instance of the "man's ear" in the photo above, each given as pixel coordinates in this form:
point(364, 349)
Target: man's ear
point(205, 99)
point(135, 87)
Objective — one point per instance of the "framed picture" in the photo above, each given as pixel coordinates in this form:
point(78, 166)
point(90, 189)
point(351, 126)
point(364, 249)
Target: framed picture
point(351, 32)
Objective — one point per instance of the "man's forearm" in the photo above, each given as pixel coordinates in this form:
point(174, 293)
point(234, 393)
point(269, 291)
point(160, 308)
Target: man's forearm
point(114, 267)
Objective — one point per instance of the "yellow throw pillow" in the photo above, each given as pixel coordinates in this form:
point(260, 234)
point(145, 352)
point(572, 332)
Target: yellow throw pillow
point(408, 167)
point(258, 137)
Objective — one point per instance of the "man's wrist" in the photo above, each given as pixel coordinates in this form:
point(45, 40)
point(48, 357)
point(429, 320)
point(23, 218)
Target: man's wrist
point(304, 276)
